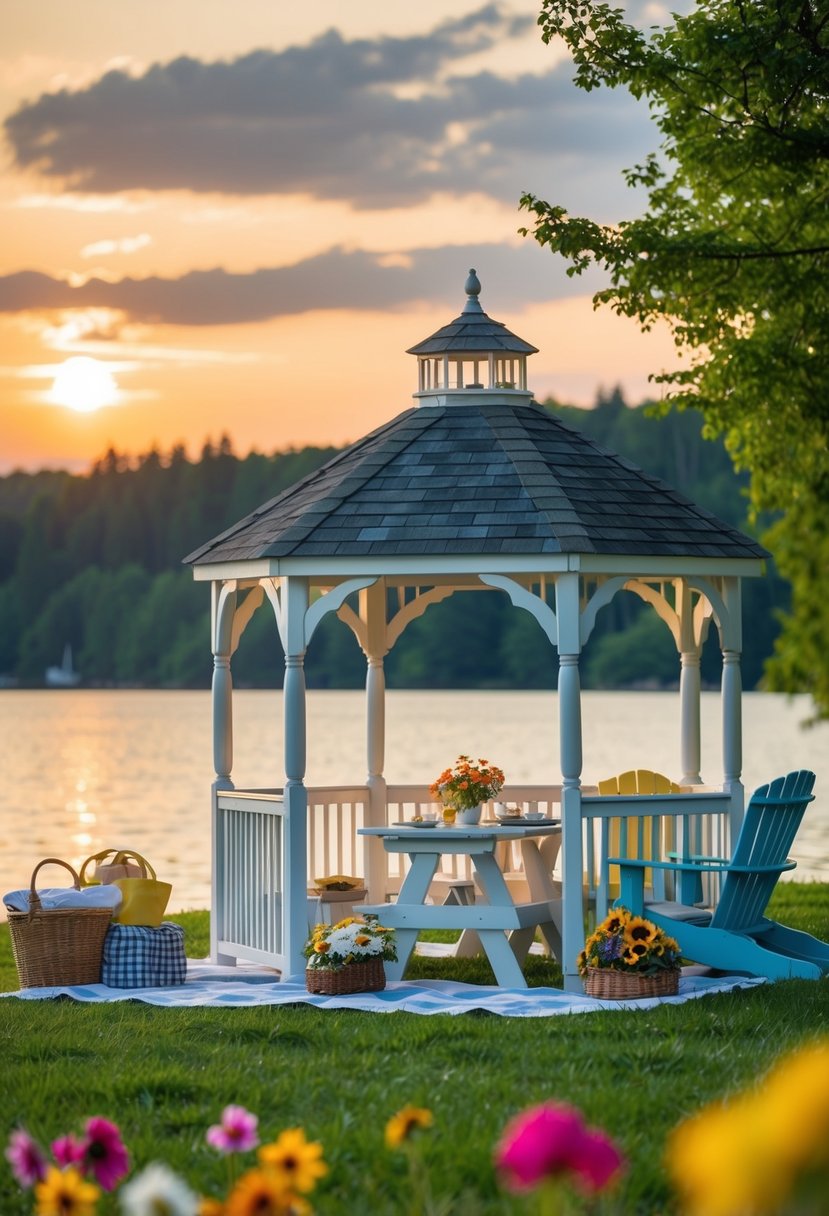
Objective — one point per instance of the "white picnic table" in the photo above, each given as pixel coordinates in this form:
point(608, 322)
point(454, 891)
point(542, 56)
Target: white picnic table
point(505, 928)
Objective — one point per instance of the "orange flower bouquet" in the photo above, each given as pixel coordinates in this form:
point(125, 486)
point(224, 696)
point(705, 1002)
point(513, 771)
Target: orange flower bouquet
point(468, 783)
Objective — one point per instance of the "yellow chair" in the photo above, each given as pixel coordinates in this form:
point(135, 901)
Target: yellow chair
point(634, 836)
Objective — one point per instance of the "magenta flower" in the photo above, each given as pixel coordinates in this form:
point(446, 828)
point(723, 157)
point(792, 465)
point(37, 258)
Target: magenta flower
point(26, 1158)
point(237, 1132)
point(105, 1156)
point(552, 1141)
point(68, 1150)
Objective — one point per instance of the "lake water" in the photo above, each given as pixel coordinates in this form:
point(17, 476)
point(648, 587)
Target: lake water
point(89, 769)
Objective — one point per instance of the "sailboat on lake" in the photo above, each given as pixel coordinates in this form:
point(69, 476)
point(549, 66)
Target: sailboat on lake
point(64, 676)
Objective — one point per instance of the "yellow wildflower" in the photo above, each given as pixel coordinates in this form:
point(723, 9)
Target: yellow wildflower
point(295, 1163)
point(259, 1193)
point(407, 1121)
point(65, 1193)
point(719, 1165)
point(211, 1207)
point(794, 1108)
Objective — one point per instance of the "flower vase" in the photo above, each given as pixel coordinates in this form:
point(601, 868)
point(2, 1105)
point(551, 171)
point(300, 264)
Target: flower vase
point(469, 814)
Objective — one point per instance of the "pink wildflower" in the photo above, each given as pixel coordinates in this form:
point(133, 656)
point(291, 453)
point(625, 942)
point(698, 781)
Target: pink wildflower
point(237, 1132)
point(105, 1156)
point(26, 1158)
point(68, 1150)
point(552, 1141)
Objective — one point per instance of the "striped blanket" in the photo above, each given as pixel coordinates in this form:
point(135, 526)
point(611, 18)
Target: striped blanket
point(213, 986)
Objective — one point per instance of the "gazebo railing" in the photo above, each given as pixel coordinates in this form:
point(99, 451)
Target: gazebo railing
point(651, 826)
point(251, 879)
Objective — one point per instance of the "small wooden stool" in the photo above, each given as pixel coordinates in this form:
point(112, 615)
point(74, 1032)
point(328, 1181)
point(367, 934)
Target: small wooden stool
point(458, 890)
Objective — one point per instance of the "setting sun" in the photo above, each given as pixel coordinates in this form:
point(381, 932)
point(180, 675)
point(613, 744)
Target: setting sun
point(83, 384)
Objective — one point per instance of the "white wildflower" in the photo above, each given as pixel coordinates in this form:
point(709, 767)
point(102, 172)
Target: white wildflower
point(157, 1191)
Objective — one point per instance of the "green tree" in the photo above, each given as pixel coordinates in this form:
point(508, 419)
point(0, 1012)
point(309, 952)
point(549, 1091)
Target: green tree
point(732, 252)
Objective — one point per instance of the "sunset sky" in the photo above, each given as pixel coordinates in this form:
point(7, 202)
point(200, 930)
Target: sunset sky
point(236, 217)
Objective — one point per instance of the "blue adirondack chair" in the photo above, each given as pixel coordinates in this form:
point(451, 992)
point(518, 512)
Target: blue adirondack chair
point(737, 937)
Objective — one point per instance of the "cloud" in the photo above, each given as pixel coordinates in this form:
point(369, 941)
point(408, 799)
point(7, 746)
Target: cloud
point(512, 277)
point(126, 245)
point(379, 122)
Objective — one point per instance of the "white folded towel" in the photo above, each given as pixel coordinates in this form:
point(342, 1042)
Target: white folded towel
point(65, 897)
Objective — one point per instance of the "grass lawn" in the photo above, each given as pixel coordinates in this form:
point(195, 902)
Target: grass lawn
point(164, 1075)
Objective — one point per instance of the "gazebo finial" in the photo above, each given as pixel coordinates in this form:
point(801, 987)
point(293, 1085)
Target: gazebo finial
point(472, 355)
point(472, 287)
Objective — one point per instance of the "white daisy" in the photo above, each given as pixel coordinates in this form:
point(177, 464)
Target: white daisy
point(157, 1191)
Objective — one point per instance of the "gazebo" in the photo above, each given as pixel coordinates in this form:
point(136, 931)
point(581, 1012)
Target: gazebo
point(476, 487)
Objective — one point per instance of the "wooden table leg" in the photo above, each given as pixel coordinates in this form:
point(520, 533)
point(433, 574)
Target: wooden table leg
point(413, 891)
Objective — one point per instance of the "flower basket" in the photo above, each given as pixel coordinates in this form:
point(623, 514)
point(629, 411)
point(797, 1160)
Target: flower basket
point(57, 946)
point(348, 956)
point(609, 985)
point(369, 976)
point(628, 958)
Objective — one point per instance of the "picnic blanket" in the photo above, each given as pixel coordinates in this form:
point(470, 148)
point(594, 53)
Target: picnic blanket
point(241, 986)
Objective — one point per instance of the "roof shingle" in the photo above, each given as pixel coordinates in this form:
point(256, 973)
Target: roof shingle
point(478, 478)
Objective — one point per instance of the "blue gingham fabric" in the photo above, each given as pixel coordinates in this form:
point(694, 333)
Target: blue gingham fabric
point(247, 984)
point(136, 956)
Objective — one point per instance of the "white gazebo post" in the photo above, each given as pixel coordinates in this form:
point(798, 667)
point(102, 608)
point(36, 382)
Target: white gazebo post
point(732, 691)
point(569, 709)
point(223, 607)
point(373, 612)
point(689, 689)
point(295, 909)
point(222, 610)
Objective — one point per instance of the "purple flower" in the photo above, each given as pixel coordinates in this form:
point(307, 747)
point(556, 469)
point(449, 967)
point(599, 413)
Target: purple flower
point(237, 1132)
point(26, 1158)
point(552, 1141)
point(105, 1156)
point(68, 1150)
point(610, 949)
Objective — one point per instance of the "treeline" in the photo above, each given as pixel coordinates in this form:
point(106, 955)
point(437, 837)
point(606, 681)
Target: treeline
point(94, 561)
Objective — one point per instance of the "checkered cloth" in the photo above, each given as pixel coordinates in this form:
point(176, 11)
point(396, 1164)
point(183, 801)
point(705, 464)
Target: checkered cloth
point(136, 956)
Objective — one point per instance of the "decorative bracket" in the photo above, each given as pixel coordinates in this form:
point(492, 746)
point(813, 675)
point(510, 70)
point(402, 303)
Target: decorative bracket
point(521, 597)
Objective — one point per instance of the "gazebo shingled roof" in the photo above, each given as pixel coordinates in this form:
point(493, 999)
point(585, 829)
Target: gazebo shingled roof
point(477, 479)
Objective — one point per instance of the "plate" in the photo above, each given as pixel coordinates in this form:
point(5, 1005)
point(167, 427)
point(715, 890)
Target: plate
point(509, 820)
point(414, 823)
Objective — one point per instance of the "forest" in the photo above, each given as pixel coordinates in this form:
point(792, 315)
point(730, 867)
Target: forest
point(93, 561)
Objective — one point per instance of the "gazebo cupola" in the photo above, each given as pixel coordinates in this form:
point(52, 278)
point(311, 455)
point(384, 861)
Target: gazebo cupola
point(473, 358)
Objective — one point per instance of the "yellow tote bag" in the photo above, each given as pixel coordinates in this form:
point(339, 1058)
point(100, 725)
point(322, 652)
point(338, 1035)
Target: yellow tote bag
point(143, 900)
point(111, 864)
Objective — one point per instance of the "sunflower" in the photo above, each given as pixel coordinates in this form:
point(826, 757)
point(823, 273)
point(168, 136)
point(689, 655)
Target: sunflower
point(405, 1123)
point(65, 1193)
point(294, 1162)
point(640, 930)
point(615, 922)
point(633, 955)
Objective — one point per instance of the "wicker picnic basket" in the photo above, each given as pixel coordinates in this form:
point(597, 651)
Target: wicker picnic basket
point(60, 945)
point(369, 976)
point(610, 985)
